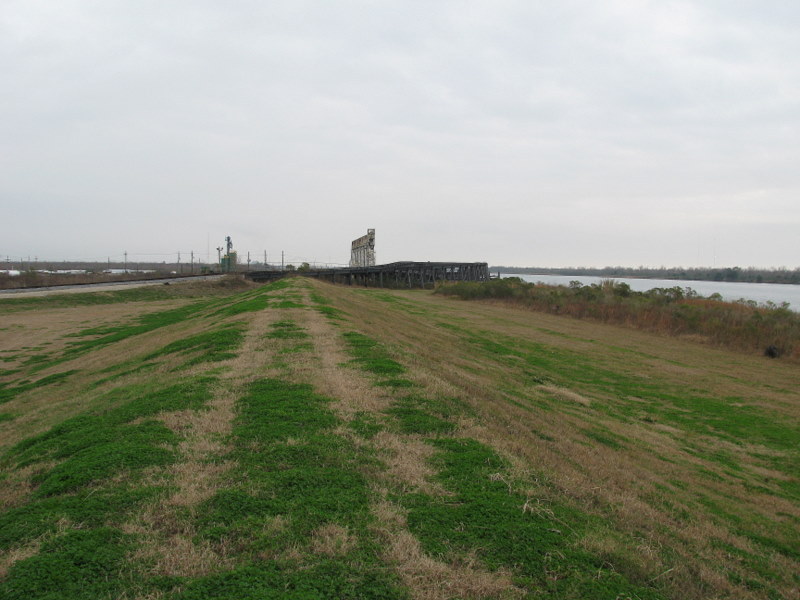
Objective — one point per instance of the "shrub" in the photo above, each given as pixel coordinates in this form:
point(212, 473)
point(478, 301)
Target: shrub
point(742, 325)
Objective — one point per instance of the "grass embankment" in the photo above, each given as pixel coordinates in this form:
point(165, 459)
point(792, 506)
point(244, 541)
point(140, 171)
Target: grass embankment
point(674, 311)
point(36, 279)
point(300, 440)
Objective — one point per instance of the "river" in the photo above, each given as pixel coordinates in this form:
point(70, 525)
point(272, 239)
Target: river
point(730, 291)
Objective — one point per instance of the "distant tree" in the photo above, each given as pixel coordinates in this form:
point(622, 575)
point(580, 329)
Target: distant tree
point(304, 267)
point(291, 268)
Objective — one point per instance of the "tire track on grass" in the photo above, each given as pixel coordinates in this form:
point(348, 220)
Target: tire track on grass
point(406, 458)
point(168, 526)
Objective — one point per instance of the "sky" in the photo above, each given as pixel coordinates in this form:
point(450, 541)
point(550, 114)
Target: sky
point(528, 133)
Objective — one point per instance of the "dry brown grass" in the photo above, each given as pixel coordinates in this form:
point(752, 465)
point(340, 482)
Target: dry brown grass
point(10, 557)
point(406, 458)
point(39, 409)
point(406, 464)
point(566, 394)
point(169, 544)
point(619, 484)
point(22, 331)
point(17, 487)
point(431, 579)
point(552, 458)
point(332, 539)
point(351, 390)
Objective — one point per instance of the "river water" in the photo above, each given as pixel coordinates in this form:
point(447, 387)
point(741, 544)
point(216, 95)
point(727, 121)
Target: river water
point(730, 291)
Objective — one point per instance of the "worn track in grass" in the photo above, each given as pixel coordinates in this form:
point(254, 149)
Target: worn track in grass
point(302, 440)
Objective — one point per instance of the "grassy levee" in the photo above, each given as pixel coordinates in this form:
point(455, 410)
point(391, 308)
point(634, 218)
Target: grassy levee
point(304, 440)
point(742, 325)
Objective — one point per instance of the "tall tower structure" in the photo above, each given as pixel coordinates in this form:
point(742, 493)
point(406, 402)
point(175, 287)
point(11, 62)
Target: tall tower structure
point(228, 262)
point(362, 250)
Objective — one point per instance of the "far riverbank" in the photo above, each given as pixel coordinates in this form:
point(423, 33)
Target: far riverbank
point(730, 291)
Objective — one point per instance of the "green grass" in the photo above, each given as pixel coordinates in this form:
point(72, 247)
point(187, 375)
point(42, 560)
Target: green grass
point(81, 564)
point(94, 446)
point(625, 395)
point(323, 306)
point(9, 393)
point(669, 402)
point(421, 415)
point(402, 304)
point(93, 487)
point(288, 304)
point(366, 425)
point(291, 465)
point(286, 330)
point(370, 356)
point(99, 337)
point(209, 346)
point(139, 294)
point(88, 507)
point(485, 518)
point(297, 469)
point(675, 311)
point(249, 304)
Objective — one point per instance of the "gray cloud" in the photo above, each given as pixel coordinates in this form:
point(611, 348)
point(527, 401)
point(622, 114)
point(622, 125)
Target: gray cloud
point(550, 133)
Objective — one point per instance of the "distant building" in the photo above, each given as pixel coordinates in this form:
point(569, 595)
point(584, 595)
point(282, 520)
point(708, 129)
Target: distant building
point(362, 250)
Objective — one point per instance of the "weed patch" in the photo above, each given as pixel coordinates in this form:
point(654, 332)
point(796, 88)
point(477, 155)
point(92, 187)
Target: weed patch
point(298, 476)
point(396, 383)
point(143, 294)
point(93, 447)
point(323, 305)
point(91, 507)
point(81, 564)
point(283, 579)
point(213, 346)
point(370, 356)
point(253, 304)
point(9, 393)
point(286, 330)
point(288, 304)
point(413, 415)
point(486, 518)
point(675, 311)
point(103, 336)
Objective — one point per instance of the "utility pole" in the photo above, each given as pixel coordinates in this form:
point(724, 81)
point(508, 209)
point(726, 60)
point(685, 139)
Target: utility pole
point(126, 261)
point(219, 257)
point(265, 260)
point(281, 260)
point(248, 261)
point(179, 262)
point(191, 268)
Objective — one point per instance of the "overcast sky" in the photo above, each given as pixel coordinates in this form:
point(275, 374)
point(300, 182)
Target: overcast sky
point(526, 132)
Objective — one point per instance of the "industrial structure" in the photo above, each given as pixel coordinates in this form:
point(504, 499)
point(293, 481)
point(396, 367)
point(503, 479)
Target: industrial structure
point(362, 250)
point(227, 263)
point(393, 275)
point(364, 271)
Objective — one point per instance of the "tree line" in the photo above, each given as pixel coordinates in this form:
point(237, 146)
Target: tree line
point(747, 275)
